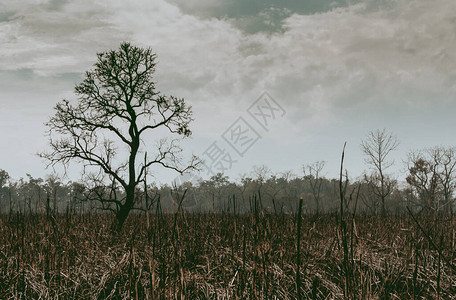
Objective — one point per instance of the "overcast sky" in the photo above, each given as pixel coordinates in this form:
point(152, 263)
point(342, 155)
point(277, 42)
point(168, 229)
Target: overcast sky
point(338, 69)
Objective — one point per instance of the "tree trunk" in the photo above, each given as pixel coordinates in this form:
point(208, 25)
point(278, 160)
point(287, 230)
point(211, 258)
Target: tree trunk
point(121, 216)
point(48, 206)
point(124, 210)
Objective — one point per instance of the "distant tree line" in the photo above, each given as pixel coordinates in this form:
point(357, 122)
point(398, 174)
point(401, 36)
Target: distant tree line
point(429, 188)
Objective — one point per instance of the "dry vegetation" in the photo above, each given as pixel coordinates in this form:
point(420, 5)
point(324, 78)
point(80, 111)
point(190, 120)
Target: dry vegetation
point(226, 256)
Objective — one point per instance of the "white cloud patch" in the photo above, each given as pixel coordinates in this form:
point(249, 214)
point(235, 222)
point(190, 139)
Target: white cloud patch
point(51, 40)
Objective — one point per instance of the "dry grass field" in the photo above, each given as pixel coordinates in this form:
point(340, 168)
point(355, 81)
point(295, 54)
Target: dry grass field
point(226, 256)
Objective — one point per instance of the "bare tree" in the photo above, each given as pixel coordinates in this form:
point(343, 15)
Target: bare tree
point(215, 187)
point(447, 174)
point(52, 187)
point(377, 146)
point(117, 106)
point(275, 188)
point(423, 178)
point(375, 187)
point(261, 174)
point(432, 174)
point(4, 178)
point(312, 174)
point(368, 194)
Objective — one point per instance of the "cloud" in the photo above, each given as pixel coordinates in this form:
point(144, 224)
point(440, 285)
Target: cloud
point(257, 15)
point(353, 56)
point(329, 64)
point(343, 57)
point(51, 39)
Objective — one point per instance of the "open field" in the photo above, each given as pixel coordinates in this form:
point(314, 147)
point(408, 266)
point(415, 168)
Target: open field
point(221, 256)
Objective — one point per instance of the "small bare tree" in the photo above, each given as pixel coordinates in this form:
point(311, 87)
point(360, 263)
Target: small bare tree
point(312, 174)
point(424, 179)
point(261, 174)
point(447, 175)
point(432, 175)
point(4, 178)
point(117, 106)
point(377, 146)
point(275, 187)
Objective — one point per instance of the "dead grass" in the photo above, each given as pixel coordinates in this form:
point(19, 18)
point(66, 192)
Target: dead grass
point(221, 256)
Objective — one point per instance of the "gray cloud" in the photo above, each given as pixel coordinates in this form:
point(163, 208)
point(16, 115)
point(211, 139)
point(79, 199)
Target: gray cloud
point(52, 37)
point(257, 15)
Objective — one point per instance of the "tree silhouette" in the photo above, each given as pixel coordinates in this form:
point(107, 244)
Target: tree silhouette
point(432, 174)
point(377, 147)
point(117, 105)
point(312, 174)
